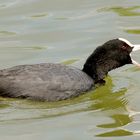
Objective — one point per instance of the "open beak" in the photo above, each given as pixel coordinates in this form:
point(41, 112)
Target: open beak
point(135, 48)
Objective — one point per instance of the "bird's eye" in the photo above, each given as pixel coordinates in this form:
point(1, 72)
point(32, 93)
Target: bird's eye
point(124, 47)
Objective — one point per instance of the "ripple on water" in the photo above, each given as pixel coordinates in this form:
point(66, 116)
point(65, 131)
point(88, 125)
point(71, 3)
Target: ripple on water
point(123, 11)
point(118, 133)
point(133, 31)
point(7, 33)
point(39, 15)
point(8, 4)
point(119, 120)
point(70, 61)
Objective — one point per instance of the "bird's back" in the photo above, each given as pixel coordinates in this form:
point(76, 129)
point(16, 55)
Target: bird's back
point(51, 82)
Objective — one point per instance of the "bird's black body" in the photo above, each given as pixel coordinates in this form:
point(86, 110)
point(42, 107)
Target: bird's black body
point(53, 82)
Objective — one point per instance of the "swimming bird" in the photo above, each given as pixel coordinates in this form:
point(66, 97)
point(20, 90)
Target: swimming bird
point(54, 82)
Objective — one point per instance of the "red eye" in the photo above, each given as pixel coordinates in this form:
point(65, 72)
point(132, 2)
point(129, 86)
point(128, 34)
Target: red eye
point(124, 47)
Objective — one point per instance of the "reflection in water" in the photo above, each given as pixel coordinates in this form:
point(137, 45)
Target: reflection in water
point(39, 15)
point(7, 33)
point(105, 99)
point(115, 105)
point(70, 61)
point(121, 11)
point(120, 132)
point(2, 105)
point(119, 120)
point(133, 31)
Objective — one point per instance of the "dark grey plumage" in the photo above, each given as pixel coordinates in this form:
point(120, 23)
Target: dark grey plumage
point(50, 82)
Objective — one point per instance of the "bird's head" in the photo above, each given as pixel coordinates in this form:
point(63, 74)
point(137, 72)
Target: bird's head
point(112, 54)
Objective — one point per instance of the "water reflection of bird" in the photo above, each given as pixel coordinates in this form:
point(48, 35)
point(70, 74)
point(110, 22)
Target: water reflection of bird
point(53, 82)
point(114, 105)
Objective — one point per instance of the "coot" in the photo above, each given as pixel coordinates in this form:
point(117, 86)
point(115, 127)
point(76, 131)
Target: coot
point(54, 82)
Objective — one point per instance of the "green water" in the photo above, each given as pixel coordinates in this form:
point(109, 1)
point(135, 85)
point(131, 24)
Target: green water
point(67, 31)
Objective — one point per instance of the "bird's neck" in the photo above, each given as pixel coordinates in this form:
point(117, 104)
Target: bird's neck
point(97, 70)
point(94, 71)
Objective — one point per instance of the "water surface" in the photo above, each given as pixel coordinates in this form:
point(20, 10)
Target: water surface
point(67, 31)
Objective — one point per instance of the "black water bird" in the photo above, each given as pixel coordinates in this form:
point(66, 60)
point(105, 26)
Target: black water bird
point(54, 82)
